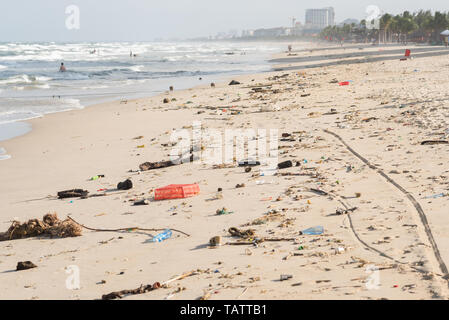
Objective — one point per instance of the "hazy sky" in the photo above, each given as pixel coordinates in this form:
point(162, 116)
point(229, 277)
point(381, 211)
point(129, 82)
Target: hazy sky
point(140, 20)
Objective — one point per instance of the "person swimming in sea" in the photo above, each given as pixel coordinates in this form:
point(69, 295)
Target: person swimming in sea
point(62, 68)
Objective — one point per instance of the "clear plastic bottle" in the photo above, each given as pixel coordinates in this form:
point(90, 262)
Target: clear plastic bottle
point(163, 236)
point(315, 231)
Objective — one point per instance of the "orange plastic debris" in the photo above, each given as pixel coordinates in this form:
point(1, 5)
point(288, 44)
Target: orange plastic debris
point(176, 191)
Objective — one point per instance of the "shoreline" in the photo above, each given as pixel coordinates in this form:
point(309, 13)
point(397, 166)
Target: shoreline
point(180, 83)
point(384, 114)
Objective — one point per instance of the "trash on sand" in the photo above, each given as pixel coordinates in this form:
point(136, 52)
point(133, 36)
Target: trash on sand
point(155, 165)
point(49, 226)
point(249, 163)
point(177, 191)
point(26, 265)
point(436, 196)
point(125, 185)
point(144, 289)
point(244, 234)
point(285, 277)
point(215, 241)
point(315, 231)
point(141, 203)
point(234, 82)
point(97, 177)
point(285, 165)
point(224, 211)
point(340, 212)
point(74, 193)
point(434, 142)
point(320, 192)
point(344, 83)
point(162, 236)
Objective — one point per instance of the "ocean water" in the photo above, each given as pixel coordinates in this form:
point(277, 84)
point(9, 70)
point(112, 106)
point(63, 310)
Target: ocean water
point(31, 86)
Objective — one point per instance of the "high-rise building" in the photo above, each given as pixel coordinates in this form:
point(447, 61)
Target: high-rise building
point(320, 18)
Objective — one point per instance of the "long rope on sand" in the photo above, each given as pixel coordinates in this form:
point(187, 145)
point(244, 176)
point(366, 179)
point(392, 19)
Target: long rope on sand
point(415, 203)
point(125, 229)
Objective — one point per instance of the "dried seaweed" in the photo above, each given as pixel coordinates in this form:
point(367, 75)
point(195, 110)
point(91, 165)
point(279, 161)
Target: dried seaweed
point(50, 226)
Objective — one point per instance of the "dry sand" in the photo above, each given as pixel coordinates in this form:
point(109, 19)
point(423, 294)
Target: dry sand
point(385, 113)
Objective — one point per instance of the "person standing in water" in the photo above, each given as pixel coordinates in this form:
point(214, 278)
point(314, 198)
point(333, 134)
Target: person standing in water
point(62, 68)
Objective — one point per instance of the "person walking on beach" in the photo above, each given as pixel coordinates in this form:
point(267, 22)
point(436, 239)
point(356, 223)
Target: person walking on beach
point(62, 68)
point(446, 41)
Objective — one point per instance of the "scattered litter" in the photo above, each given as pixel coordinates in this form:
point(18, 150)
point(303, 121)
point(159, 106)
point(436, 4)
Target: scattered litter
point(144, 288)
point(215, 241)
point(25, 266)
point(285, 165)
point(436, 196)
point(249, 163)
point(155, 165)
point(434, 142)
point(224, 211)
point(286, 277)
point(163, 236)
point(97, 177)
point(315, 231)
point(125, 185)
point(141, 203)
point(244, 234)
point(74, 193)
point(176, 191)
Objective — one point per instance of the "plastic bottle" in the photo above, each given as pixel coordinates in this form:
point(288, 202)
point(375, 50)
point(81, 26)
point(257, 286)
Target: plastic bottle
point(315, 231)
point(163, 236)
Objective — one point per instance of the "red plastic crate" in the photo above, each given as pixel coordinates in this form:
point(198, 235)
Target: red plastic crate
point(177, 191)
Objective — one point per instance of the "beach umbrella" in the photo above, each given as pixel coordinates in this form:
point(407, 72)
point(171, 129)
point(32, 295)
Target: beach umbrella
point(445, 33)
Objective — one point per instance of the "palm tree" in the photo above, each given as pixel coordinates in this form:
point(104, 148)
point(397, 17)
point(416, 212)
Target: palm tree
point(385, 24)
point(440, 23)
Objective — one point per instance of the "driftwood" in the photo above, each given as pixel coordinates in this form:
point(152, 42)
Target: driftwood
point(257, 241)
point(434, 142)
point(144, 288)
point(242, 234)
point(74, 193)
point(155, 165)
point(141, 290)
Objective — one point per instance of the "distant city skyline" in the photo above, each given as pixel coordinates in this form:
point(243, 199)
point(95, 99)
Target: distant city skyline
point(139, 20)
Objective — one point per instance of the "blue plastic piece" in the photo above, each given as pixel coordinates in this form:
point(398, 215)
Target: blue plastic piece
point(163, 236)
point(315, 231)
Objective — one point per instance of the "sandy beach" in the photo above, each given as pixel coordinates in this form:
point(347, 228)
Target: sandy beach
point(361, 170)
